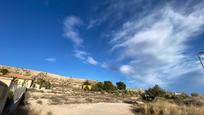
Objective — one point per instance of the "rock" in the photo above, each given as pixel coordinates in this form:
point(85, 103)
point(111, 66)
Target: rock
point(139, 102)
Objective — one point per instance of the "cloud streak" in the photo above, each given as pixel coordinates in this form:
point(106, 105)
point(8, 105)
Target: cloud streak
point(71, 31)
point(71, 24)
point(51, 59)
point(156, 45)
point(151, 46)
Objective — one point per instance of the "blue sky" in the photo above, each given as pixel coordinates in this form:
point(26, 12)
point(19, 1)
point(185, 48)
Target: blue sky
point(139, 42)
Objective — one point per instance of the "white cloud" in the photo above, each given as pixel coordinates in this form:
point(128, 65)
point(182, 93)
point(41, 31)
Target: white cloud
point(126, 69)
point(71, 31)
point(92, 23)
point(156, 44)
point(51, 59)
point(92, 61)
point(105, 66)
point(80, 54)
point(71, 24)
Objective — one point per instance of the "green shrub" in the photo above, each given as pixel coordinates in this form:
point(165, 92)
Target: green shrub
point(104, 86)
point(42, 83)
point(121, 86)
point(108, 86)
point(152, 93)
point(180, 99)
point(47, 85)
point(4, 71)
point(98, 86)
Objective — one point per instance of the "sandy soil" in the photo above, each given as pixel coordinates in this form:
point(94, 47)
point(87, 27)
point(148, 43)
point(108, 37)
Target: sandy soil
point(63, 104)
point(83, 109)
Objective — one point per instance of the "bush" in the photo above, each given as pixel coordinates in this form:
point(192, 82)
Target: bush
point(104, 86)
point(166, 108)
point(98, 86)
point(86, 83)
point(180, 99)
point(4, 71)
point(154, 92)
point(86, 88)
point(194, 94)
point(43, 83)
point(121, 86)
point(47, 85)
point(108, 86)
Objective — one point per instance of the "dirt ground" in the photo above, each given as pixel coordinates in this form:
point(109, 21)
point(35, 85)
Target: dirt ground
point(83, 109)
point(58, 104)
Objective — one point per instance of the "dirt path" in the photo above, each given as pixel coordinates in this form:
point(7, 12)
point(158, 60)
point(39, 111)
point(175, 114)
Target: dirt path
point(84, 109)
point(50, 103)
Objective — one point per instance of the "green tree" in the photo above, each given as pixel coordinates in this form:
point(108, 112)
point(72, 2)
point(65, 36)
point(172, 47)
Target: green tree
point(121, 86)
point(108, 86)
point(43, 83)
point(154, 92)
point(98, 86)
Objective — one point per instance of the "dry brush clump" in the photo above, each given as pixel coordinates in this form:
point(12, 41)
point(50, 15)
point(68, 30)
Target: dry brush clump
point(157, 93)
point(167, 108)
point(162, 102)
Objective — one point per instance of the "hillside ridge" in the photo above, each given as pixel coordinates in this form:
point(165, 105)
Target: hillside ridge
point(56, 80)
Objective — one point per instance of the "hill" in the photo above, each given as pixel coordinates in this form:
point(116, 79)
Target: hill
point(55, 80)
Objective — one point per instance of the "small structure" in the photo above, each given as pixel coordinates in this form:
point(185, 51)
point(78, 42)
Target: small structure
point(6, 79)
point(16, 80)
point(21, 81)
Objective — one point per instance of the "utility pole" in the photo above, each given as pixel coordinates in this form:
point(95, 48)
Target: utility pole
point(200, 59)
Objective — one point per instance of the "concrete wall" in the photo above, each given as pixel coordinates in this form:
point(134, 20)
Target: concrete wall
point(3, 95)
point(6, 80)
point(24, 83)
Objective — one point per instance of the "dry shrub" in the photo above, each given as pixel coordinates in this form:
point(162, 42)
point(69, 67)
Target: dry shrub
point(49, 113)
point(167, 108)
point(23, 111)
point(39, 102)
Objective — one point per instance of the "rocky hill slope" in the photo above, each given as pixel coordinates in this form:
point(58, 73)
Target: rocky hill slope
point(56, 80)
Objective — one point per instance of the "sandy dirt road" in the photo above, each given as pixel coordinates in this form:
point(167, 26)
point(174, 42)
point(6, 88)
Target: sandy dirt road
point(84, 109)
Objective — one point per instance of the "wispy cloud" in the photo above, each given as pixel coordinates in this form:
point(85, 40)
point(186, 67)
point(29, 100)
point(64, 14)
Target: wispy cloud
point(92, 61)
point(151, 45)
point(156, 45)
point(71, 31)
point(71, 24)
point(51, 59)
point(80, 54)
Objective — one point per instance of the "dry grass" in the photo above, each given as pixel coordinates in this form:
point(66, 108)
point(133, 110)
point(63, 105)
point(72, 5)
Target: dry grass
point(167, 108)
